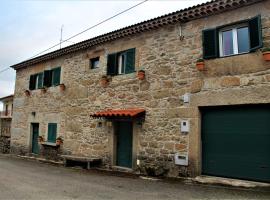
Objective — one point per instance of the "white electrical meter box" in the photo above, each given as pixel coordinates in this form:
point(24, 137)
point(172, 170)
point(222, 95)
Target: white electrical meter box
point(186, 98)
point(184, 126)
point(181, 159)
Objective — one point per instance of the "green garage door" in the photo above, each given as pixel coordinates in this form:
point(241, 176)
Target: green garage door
point(236, 142)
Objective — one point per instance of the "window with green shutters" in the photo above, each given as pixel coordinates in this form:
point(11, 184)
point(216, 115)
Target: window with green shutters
point(233, 39)
point(52, 132)
point(47, 78)
point(121, 62)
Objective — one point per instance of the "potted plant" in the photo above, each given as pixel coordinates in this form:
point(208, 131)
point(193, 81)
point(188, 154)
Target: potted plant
point(200, 64)
point(266, 54)
point(59, 141)
point(27, 93)
point(44, 90)
point(141, 74)
point(62, 86)
point(104, 81)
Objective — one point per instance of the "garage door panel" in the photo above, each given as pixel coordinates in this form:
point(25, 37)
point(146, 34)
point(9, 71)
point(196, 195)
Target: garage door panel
point(236, 142)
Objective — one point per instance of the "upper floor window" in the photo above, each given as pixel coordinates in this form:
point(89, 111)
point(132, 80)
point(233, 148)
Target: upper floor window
point(234, 40)
point(121, 62)
point(47, 78)
point(94, 63)
point(241, 38)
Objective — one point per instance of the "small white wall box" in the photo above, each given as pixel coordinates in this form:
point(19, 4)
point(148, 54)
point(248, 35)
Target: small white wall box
point(186, 98)
point(184, 126)
point(181, 159)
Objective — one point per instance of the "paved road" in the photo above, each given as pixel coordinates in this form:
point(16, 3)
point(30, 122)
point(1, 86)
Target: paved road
point(23, 179)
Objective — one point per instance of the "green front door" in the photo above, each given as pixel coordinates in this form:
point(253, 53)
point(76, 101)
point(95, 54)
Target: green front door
point(124, 134)
point(35, 134)
point(236, 142)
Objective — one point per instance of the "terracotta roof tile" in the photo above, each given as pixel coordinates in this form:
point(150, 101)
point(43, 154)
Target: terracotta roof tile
point(119, 113)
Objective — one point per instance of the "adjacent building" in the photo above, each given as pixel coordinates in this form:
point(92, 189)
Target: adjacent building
point(5, 123)
point(176, 119)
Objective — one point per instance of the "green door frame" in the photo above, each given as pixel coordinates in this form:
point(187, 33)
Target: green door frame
point(34, 138)
point(123, 143)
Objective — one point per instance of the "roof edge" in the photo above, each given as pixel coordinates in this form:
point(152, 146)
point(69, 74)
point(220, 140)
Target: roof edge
point(184, 15)
point(7, 97)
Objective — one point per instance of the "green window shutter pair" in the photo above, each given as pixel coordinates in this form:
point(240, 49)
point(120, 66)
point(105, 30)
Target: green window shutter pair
point(211, 44)
point(52, 132)
point(112, 62)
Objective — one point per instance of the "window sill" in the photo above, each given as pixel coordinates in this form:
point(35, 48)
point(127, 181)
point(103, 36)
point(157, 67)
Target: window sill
point(49, 144)
point(234, 55)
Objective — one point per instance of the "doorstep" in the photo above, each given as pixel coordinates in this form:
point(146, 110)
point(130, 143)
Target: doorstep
point(230, 182)
point(122, 169)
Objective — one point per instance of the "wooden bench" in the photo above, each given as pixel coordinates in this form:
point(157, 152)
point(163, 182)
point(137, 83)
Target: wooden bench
point(90, 161)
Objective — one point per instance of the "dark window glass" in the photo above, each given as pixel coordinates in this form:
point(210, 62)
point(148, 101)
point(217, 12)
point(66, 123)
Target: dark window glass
point(40, 80)
point(243, 40)
point(227, 39)
point(94, 62)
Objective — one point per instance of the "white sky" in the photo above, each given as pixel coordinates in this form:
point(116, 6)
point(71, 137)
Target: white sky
point(29, 27)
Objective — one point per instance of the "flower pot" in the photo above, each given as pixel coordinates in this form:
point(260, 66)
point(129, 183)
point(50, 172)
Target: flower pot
point(43, 90)
point(266, 56)
point(58, 142)
point(104, 82)
point(27, 93)
point(200, 66)
point(62, 87)
point(141, 75)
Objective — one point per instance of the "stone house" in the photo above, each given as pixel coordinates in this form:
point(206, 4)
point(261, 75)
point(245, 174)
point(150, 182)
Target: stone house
point(176, 121)
point(5, 123)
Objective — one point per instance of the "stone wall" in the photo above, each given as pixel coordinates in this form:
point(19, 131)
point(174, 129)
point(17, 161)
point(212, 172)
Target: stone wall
point(170, 73)
point(4, 144)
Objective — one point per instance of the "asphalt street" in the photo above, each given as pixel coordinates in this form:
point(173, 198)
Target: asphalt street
point(24, 179)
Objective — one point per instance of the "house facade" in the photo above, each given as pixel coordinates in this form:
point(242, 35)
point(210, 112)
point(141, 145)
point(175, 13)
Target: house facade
point(5, 123)
point(177, 120)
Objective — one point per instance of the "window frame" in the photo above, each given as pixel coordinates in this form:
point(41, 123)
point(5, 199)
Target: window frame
point(234, 29)
point(122, 62)
point(92, 61)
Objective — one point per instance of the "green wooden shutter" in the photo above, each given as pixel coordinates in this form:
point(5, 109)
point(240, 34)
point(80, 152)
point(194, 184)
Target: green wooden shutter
point(56, 76)
point(32, 82)
point(210, 43)
point(255, 33)
point(112, 64)
point(52, 129)
point(130, 62)
point(40, 80)
point(47, 80)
